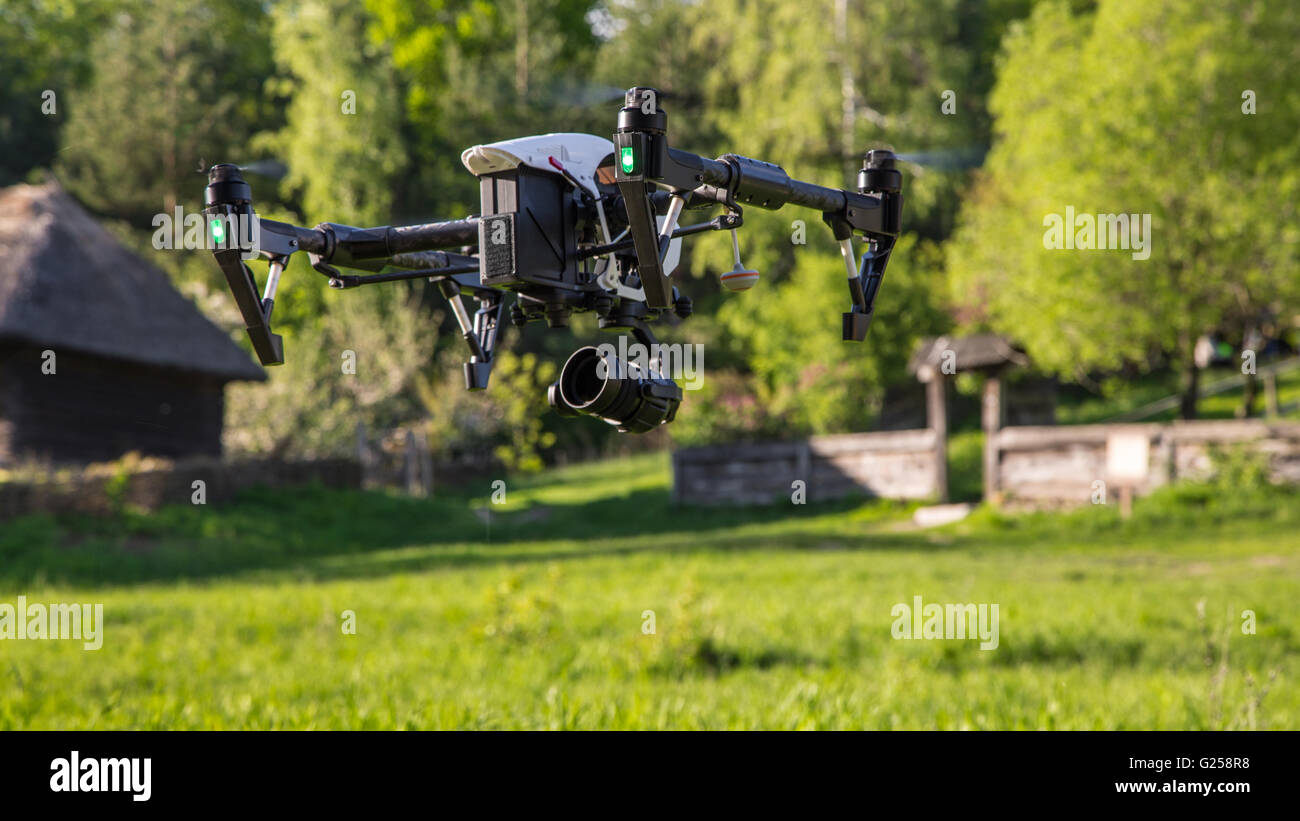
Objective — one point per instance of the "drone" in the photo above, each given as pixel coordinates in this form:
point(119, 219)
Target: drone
point(570, 223)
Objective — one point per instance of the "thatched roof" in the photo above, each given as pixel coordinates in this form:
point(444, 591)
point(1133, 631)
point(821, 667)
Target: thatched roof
point(971, 353)
point(66, 283)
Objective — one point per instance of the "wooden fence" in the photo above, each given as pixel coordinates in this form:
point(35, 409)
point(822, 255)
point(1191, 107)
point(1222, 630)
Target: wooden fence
point(99, 493)
point(1058, 466)
point(891, 464)
point(401, 458)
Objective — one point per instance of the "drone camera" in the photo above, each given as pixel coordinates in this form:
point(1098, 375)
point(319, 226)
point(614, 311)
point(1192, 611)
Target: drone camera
point(621, 394)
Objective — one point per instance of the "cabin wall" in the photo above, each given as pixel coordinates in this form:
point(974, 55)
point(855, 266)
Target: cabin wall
point(93, 409)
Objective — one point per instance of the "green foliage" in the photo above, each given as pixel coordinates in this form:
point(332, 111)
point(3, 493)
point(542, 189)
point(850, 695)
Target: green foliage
point(725, 408)
point(1240, 468)
point(44, 47)
point(806, 379)
point(342, 141)
point(476, 72)
point(505, 421)
point(1107, 107)
point(777, 88)
point(521, 381)
point(115, 486)
point(763, 96)
point(966, 466)
point(176, 84)
point(1156, 127)
point(243, 81)
point(310, 406)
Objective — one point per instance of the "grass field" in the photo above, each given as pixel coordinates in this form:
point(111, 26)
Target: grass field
point(532, 617)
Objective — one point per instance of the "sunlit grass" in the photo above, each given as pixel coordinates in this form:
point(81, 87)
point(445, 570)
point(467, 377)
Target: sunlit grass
point(230, 616)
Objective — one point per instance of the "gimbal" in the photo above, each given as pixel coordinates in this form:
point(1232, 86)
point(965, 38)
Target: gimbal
point(569, 223)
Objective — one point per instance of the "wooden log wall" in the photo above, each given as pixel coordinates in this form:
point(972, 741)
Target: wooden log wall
point(1056, 466)
point(172, 484)
point(889, 464)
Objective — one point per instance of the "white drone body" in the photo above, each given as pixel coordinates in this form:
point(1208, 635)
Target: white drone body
point(578, 155)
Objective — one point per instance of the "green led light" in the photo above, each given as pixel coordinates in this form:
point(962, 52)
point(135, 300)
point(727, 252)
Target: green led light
point(218, 230)
point(628, 158)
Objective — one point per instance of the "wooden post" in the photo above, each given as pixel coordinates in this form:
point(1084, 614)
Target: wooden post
point(991, 417)
point(936, 414)
point(1166, 462)
point(363, 454)
point(1249, 390)
point(1125, 501)
point(1270, 395)
point(678, 495)
point(803, 467)
point(411, 463)
point(426, 464)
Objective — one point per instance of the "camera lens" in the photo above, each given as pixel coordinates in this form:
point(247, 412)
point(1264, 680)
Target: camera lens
point(604, 387)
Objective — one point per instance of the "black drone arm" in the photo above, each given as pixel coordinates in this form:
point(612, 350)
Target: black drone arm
point(644, 161)
point(238, 234)
point(414, 247)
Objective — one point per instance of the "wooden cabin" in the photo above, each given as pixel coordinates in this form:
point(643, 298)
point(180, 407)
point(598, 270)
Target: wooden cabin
point(99, 354)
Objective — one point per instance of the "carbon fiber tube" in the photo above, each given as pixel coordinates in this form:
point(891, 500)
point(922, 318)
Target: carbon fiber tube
point(715, 172)
point(797, 192)
point(815, 196)
point(433, 236)
point(309, 239)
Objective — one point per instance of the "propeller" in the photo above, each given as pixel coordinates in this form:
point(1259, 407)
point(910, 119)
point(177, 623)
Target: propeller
point(947, 159)
point(584, 94)
point(272, 169)
point(567, 91)
point(938, 159)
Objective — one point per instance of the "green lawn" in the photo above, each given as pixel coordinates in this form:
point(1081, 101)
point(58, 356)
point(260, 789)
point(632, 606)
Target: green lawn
point(229, 617)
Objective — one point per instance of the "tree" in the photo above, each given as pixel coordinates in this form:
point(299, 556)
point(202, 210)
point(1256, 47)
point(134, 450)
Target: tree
point(358, 362)
point(342, 140)
point(44, 57)
point(177, 85)
point(811, 87)
point(1138, 108)
point(807, 378)
point(477, 72)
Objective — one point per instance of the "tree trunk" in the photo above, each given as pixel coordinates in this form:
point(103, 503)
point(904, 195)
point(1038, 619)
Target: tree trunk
point(521, 50)
point(991, 420)
point(1249, 391)
point(1191, 390)
point(848, 96)
point(937, 418)
point(1251, 342)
